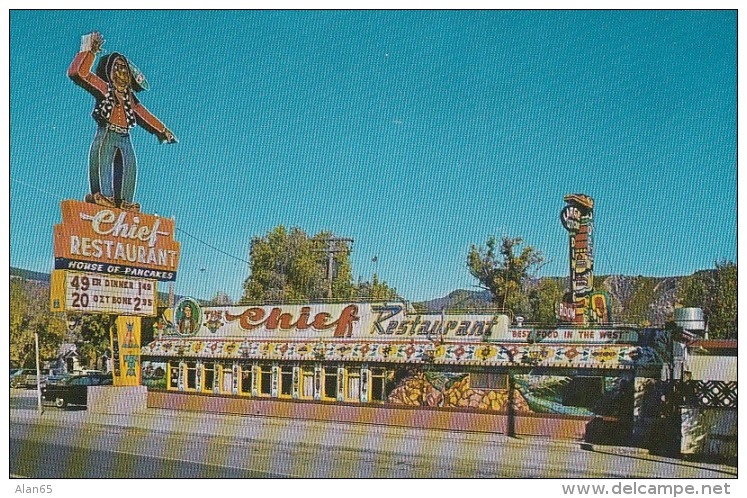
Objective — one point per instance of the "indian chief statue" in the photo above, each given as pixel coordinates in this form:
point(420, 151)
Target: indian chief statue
point(112, 161)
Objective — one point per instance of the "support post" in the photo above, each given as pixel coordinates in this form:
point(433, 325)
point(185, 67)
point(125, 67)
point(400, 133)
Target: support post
point(511, 419)
point(38, 374)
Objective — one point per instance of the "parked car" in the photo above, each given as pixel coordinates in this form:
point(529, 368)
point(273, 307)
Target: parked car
point(90, 372)
point(26, 378)
point(74, 390)
point(53, 375)
point(13, 373)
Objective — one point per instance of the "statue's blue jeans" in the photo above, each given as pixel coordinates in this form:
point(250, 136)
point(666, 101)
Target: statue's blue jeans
point(112, 165)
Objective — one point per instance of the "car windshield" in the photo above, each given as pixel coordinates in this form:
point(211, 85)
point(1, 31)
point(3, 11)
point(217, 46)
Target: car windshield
point(89, 380)
point(78, 381)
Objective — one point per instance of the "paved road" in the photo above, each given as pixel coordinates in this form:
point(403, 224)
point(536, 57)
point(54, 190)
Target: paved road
point(163, 443)
point(61, 461)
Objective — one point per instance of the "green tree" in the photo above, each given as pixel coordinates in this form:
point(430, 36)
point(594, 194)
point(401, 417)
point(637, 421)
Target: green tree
point(544, 301)
point(285, 265)
point(291, 265)
point(94, 338)
point(716, 292)
point(503, 272)
point(30, 313)
point(376, 290)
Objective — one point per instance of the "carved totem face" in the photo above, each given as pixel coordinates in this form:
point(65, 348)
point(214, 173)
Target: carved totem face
point(120, 75)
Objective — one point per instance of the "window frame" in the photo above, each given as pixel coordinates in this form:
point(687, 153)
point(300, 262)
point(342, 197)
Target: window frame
point(225, 369)
point(205, 371)
point(570, 399)
point(248, 368)
point(352, 373)
point(380, 374)
point(260, 381)
point(173, 366)
point(489, 384)
point(326, 373)
point(283, 371)
point(187, 369)
point(303, 374)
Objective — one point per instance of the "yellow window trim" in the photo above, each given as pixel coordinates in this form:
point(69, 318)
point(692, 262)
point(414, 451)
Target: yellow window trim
point(168, 377)
point(280, 385)
point(325, 373)
point(352, 375)
point(241, 377)
point(202, 380)
point(222, 378)
point(381, 378)
point(186, 379)
point(302, 383)
point(260, 376)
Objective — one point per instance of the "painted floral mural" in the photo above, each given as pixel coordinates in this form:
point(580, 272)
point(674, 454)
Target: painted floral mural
point(598, 395)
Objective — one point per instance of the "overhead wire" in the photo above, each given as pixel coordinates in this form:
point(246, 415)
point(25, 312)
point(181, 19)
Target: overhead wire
point(211, 246)
point(55, 197)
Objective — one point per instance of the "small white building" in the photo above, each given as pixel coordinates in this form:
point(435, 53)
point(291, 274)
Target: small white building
point(69, 357)
point(712, 360)
point(709, 414)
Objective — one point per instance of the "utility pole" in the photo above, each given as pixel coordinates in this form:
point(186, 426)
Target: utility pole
point(38, 374)
point(334, 245)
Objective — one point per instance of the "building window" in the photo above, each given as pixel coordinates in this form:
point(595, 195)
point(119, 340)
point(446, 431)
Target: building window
point(246, 379)
point(488, 380)
point(307, 383)
point(208, 376)
point(191, 375)
point(354, 385)
point(330, 383)
point(378, 384)
point(226, 384)
point(173, 374)
point(585, 392)
point(286, 381)
point(265, 380)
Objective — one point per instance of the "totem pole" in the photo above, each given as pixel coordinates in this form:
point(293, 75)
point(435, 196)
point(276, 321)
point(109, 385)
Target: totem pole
point(581, 305)
point(112, 161)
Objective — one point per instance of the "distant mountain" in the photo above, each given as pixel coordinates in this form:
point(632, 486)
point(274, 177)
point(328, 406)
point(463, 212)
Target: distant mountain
point(640, 298)
point(633, 299)
point(460, 298)
point(29, 275)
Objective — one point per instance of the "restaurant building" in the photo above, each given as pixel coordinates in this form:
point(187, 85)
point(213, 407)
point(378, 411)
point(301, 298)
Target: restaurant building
point(298, 359)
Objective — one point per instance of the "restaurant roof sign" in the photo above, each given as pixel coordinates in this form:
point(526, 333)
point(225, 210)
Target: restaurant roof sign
point(341, 321)
point(382, 321)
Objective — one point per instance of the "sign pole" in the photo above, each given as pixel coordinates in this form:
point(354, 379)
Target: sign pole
point(330, 262)
point(38, 374)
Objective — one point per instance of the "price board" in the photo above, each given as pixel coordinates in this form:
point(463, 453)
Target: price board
point(97, 293)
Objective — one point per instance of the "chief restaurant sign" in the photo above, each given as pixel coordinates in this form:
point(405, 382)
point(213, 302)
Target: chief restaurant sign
point(99, 239)
point(356, 321)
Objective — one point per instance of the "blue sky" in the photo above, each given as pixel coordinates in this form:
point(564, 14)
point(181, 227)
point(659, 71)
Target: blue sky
point(415, 133)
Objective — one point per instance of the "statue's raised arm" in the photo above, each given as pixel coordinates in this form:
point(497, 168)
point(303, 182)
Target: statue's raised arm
point(112, 161)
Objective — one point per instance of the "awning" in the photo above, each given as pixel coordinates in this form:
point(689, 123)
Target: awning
point(474, 354)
